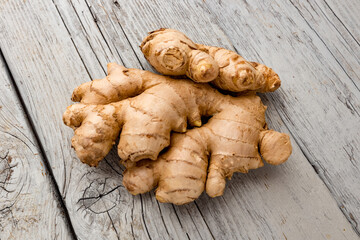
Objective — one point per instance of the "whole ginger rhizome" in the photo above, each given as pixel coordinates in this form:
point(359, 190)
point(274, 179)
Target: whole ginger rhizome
point(151, 112)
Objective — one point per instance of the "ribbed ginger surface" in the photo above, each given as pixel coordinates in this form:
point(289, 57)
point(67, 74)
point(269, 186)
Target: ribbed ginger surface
point(204, 157)
point(172, 53)
point(146, 107)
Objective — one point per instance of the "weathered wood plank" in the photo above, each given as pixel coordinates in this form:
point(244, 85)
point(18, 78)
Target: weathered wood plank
point(28, 203)
point(102, 22)
point(85, 28)
point(286, 201)
point(345, 14)
point(91, 214)
point(125, 10)
point(320, 98)
point(47, 62)
point(338, 40)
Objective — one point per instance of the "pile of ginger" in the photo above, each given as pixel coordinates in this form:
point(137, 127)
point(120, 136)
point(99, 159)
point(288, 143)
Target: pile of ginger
point(151, 113)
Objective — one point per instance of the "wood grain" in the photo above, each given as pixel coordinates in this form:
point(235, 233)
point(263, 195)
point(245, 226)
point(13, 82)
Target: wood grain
point(319, 63)
point(47, 62)
point(344, 14)
point(28, 203)
point(72, 42)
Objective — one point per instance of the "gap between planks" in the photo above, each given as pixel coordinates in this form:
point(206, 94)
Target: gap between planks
point(116, 3)
point(41, 148)
point(80, 56)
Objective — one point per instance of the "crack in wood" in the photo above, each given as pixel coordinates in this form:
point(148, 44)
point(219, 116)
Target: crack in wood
point(96, 197)
point(6, 171)
point(38, 143)
point(212, 235)
point(127, 39)
point(132, 218)
point(143, 218)
point(86, 34)
point(162, 218)
point(159, 13)
point(72, 40)
point(341, 22)
point(101, 32)
point(113, 225)
point(326, 46)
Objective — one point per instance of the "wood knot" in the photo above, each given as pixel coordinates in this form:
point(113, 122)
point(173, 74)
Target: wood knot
point(100, 196)
point(5, 172)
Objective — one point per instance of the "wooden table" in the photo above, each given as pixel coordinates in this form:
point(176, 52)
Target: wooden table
point(49, 47)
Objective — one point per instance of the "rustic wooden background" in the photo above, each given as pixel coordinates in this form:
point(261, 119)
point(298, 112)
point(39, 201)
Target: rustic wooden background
point(49, 47)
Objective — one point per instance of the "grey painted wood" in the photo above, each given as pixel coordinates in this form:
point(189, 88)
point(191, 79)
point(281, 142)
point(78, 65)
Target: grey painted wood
point(73, 41)
point(344, 14)
point(28, 204)
point(341, 44)
point(46, 71)
point(319, 62)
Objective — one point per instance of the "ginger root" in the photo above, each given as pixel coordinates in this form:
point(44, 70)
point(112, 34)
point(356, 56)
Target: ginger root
point(172, 53)
point(146, 108)
point(232, 138)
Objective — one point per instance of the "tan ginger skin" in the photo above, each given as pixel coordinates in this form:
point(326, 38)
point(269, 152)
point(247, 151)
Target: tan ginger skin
point(172, 53)
point(232, 139)
point(146, 107)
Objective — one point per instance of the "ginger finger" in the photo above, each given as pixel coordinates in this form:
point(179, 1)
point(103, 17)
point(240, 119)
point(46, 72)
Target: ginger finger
point(230, 138)
point(158, 106)
point(275, 147)
point(172, 53)
point(95, 129)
